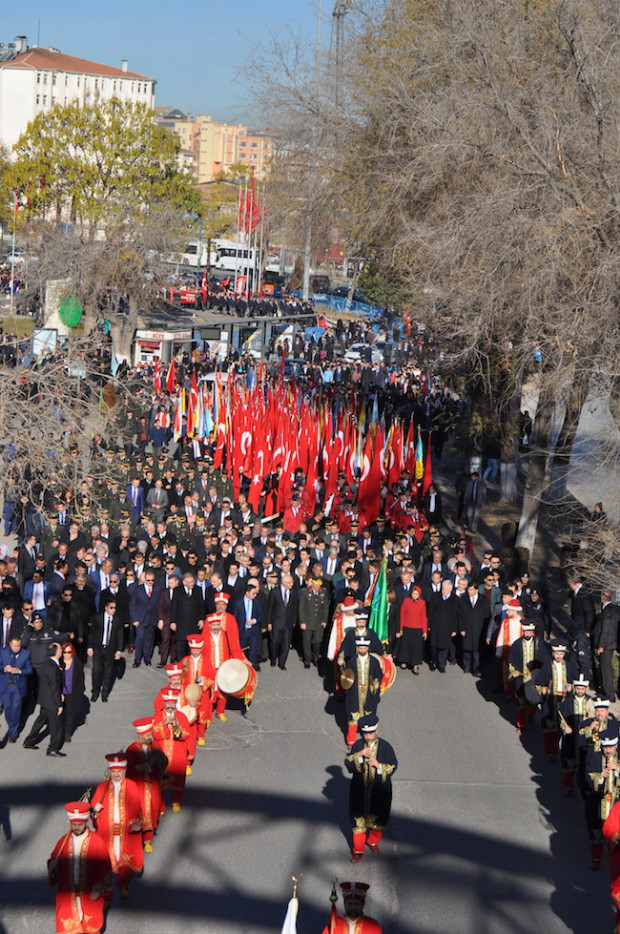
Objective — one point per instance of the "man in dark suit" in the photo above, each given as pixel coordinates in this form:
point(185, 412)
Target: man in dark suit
point(475, 498)
point(118, 591)
point(442, 612)
point(135, 496)
point(15, 666)
point(605, 641)
point(581, 608)
point(331, 562)
point(26, 559)
point(436, 562)
point(216, 587)
point(249, 614)
point(281, 616)
point(167, 647)
point(51, 700)
point(105, 644)
point(11, 625)
point(473, 615)
point(187, 613)
point(404, 586)
point(144, 616)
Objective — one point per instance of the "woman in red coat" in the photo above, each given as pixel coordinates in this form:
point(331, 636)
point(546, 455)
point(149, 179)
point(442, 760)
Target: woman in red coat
point(413, 632)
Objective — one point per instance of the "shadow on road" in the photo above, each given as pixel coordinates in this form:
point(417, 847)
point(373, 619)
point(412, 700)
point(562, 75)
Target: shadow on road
point(483, 863)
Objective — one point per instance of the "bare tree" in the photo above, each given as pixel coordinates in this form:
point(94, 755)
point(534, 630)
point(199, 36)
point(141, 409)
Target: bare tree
point(482, 164)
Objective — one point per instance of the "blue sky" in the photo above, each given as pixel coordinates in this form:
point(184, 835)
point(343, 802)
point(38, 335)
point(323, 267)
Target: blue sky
point(192, 56)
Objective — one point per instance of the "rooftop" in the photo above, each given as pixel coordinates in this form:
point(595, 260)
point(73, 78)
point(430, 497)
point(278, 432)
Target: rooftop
point(40, 59)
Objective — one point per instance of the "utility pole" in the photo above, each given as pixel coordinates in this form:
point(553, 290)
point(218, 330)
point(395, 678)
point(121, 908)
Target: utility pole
point(341, 8)
point(310, 203)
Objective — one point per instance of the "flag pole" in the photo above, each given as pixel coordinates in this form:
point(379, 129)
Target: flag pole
point(290, 921)
point(12, 289)
point(259, 256)
point(332, 915)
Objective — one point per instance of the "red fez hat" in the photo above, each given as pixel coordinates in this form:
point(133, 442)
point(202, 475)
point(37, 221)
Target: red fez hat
point(78, 810)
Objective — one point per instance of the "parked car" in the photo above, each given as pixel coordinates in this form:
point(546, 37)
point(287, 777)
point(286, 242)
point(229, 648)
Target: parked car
point(363, 352)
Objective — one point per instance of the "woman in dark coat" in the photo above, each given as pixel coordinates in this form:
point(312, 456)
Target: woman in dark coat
point(413, 632)
point(73, 688)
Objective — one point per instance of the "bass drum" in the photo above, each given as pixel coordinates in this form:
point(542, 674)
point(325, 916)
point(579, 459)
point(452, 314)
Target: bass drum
point(236, 679)
point(389, 672)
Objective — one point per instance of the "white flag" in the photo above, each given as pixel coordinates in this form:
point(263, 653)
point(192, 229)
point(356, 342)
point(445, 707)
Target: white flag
point(290, 921)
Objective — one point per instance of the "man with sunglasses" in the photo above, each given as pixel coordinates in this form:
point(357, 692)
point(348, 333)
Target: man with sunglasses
point(144, 617)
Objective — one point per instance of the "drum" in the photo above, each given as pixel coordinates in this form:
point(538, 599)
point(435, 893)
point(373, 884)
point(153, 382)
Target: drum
point(389, 672)
point(236, 679)
point(193, 692)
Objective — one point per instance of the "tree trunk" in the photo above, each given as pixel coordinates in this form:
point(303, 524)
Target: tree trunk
point(580, 388)
point(508, 482)
point(510, 445)
point(536, 476)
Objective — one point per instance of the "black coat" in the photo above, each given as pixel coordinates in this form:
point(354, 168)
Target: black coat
point(516, 667)
point(370, 809)
point(186, 611)
point(472, 621)
point(95, 634)
point(442, 620)
point(50, 685)
point(279, 614)
point(605, 630)
point(582, 612)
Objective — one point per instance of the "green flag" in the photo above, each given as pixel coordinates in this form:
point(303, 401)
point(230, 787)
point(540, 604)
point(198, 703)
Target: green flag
point(378, 620)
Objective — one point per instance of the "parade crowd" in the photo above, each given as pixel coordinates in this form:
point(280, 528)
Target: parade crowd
point(158, 557)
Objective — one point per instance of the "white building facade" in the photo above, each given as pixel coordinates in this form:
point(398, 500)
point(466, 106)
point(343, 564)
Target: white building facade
point(33, 80)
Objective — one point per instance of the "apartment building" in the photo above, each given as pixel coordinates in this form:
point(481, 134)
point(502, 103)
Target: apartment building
point(216, 146)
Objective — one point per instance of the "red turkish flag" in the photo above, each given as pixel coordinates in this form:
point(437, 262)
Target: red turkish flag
point(395, 461)
point(171, 377)
point(427, 479)
point(410, 450)
point(369, 493)
point(220, 437)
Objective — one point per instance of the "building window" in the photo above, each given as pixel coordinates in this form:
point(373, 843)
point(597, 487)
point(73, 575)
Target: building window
point(243, 145)
point(54, 79)
point(254, 145)
point(45, 78)
point(38, 77)
point(45, 100)
point(79, 82)
point(38, 99)
point(114, 86)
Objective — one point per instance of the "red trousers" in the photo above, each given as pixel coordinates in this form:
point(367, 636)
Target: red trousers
point(370, 837)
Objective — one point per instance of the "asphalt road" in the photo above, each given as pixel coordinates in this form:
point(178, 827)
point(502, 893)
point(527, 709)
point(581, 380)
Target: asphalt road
point(481, 840)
